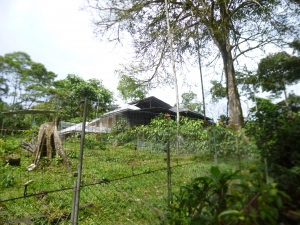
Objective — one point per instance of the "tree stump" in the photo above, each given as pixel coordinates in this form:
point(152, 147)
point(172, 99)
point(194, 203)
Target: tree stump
point(48, 144)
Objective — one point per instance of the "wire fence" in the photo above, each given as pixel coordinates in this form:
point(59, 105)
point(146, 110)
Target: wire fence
point(123, 182)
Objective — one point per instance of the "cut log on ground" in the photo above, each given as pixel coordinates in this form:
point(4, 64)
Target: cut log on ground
point(28, 146)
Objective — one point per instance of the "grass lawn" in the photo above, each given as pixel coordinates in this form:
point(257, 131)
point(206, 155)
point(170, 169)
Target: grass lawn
point(119, 186)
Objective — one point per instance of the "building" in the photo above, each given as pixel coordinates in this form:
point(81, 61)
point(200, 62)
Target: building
point(135, 114)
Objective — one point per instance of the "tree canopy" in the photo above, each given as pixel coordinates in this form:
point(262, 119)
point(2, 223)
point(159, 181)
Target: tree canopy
point(233, 28)
point(69, 92)
point(26, 82)
point(278, 70)
point(189, 100)
point(129, 87)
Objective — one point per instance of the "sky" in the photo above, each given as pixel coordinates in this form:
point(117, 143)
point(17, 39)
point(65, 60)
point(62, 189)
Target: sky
point(59, 35)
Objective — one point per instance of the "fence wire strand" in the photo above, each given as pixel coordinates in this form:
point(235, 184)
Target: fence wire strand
point(120, 184)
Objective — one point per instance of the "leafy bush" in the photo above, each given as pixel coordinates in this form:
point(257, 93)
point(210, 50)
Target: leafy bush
point(72, 155)
point(92, 141)
point(2, 144)
point(31, 134)
point(226, 198)
point(7, 181)
point(276, 132)
point(193, 136)
point(57, 160)
point(10, 144)
point(6, 178)
point(120, 133)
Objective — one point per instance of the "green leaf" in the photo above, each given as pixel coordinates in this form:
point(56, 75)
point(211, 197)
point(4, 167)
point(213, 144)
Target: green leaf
point(273, 192)
point(241, 217)
point(215, 171)
point(279, 202)
point(228, 212)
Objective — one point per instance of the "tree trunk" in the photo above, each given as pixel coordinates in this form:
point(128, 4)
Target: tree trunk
point(221, 37)
point(235, 110)
point(236, 119)
point(201, 78)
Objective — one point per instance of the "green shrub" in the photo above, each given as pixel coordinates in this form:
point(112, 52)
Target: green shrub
point(2, 145)
point(226, 198)
point(276, 132)
point(7, 179)
point(10, 144)
point(92, 141)
point(31, 134)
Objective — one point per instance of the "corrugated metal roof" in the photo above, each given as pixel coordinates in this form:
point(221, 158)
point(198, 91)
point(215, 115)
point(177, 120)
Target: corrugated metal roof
point(151, 102)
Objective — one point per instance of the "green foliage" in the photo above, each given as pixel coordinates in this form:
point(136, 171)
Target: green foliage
point(3, 108)
point(276, 133)
point(130, 145)
point(160, 129)
point(229, 142)
point(278, 70)
point(7, 179)
point(31, 134)
point(72, 155)
point(10, 145)
point(296, 46)
point(92, 141)
point(189, 101)
point(69, 93)
point(2, 146)
point(130, 89)
point(129, 85)
point(226, 28)
point(19, 73)
point(217, 91)
point(26, 84)
point(248, 82)
point(120, 133)
point(193, 136)
point(226, 197)
point(294, 103)
point(146, 191)
point(57, 160)
point(44, 162)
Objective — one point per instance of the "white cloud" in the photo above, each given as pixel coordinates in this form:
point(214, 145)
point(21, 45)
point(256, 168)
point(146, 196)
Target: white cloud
point(57, 34)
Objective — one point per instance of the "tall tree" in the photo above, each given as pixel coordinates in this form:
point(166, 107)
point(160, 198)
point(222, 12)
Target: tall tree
point(189, 100)
point(38, 84)
point(130, 88)
point(3, 79)
point(25, 81)
point(278, 70)
point(69, 92)
point(233, 27)
point(14, 69)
